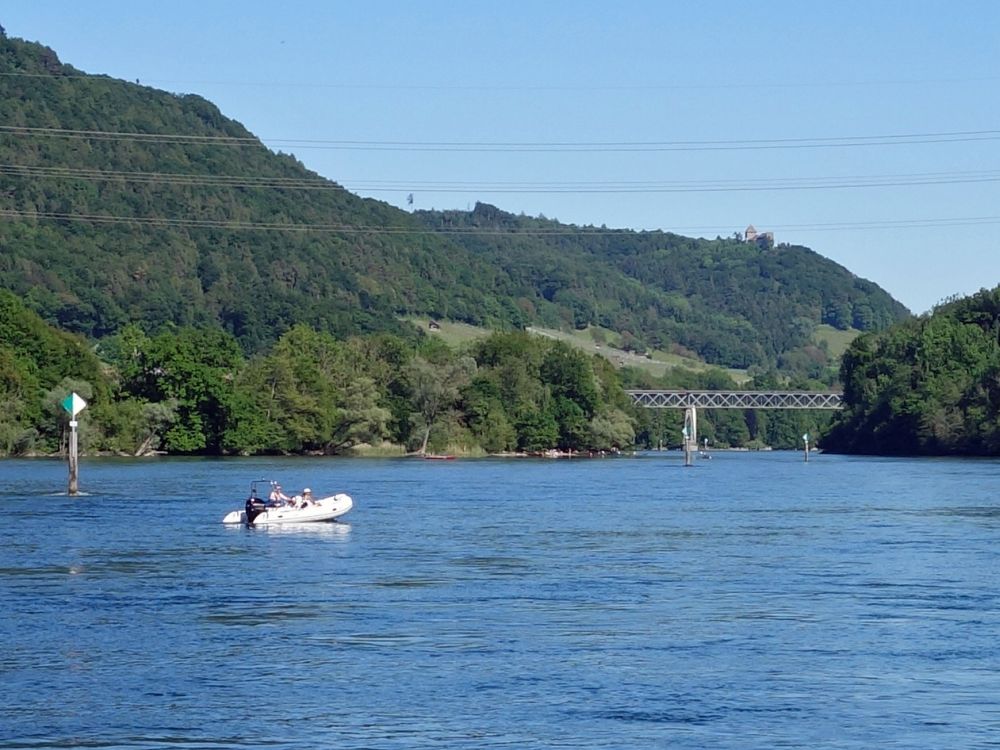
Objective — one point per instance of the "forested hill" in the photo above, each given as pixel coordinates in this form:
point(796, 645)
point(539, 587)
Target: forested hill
point(731, 301)
point(122, 203)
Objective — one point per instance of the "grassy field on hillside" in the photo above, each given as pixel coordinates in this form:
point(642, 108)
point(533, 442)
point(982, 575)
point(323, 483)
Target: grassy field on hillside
point(594, 340)
point(453, 334)
point(837, 341)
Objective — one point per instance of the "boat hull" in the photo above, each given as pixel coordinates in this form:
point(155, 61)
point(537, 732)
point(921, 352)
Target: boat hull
point(324, 509)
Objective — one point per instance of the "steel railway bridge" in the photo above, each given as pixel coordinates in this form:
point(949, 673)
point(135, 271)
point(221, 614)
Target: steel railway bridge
point(691, 401)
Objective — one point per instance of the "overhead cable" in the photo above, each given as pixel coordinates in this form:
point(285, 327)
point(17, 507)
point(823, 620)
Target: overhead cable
point(524, 187)
point(559, 231)
point(890, 139)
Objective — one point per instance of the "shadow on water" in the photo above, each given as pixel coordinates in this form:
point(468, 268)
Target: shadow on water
point(260, 613)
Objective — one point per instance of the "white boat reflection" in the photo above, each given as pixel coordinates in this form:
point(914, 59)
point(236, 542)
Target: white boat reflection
point(332, 529)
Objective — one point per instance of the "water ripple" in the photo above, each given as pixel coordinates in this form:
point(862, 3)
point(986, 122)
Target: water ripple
point(748, 604)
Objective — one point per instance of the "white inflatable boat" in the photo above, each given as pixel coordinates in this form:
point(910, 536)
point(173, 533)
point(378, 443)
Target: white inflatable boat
point(259, 511)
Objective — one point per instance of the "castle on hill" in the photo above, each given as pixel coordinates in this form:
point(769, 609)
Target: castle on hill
point(763, 240)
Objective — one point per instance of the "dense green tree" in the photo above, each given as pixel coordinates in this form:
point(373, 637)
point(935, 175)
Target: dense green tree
point(19, 414)
point(313, 393)
point(487, 418)
point(927, 386)
point(612, 430)
point(436, 389)
point(37, 364)
point(537, 429)
point(360, 419)
point(569, 374)
point(196, 369)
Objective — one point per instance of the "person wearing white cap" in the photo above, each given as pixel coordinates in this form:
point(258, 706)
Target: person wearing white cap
point(307, 497)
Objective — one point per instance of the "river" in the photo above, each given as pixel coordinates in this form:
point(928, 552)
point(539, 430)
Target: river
point(752, 601)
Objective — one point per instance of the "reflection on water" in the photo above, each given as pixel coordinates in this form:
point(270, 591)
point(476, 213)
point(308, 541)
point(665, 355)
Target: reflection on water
point(752, 602)
point(327, 529)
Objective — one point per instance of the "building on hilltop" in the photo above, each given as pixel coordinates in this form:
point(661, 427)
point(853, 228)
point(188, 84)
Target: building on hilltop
point(763, 240)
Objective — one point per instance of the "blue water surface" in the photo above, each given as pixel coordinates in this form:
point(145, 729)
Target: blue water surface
point(753, 601)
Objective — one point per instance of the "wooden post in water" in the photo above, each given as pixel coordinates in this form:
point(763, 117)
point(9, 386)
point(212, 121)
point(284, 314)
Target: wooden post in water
point(74, 405)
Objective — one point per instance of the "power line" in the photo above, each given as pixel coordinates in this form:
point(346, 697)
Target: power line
point(169, 178)
point(644, 146)
point(885, 139)
point(114, 135)
point(513, 87)
point(155, 221)
point(549, 187)
point(561, 231)
point(755, 186)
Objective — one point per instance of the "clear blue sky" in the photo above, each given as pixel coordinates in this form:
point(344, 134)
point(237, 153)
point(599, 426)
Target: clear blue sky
point(597, 73)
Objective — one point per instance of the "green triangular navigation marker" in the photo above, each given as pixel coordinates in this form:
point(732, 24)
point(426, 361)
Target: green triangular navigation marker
point(74, 404)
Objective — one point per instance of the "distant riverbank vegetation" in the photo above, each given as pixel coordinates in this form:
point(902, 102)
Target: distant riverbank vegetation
point(188, 391)
point(926, 386)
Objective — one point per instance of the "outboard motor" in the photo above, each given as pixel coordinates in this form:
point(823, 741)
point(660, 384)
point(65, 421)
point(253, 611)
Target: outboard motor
point(254, 507)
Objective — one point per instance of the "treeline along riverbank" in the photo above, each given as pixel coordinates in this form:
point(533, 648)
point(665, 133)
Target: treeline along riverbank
point(194, 391)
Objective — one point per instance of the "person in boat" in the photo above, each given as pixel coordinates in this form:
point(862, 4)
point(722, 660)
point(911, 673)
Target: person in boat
point(277, 497)
point(307, 498)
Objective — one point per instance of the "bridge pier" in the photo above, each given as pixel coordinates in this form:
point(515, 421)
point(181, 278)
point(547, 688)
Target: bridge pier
point(690, 434)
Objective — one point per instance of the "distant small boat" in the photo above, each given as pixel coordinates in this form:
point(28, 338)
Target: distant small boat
point(439, 457)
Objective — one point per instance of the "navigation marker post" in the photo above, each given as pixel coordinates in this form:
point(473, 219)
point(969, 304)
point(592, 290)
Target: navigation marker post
point(73, 404)
point(805, 439)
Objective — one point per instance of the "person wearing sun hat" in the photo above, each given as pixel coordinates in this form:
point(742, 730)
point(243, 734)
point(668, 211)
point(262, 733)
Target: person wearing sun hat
point(277, 496)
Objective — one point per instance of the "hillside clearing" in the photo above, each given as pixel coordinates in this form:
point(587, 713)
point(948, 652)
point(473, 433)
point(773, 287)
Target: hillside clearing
point(593, 340)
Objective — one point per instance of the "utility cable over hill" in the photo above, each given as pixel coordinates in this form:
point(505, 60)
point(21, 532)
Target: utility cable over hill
point(848, 141)
point(629, 186)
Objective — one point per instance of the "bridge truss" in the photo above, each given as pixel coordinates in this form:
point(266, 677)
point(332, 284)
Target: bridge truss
point(691, 401)
point(662, 399)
